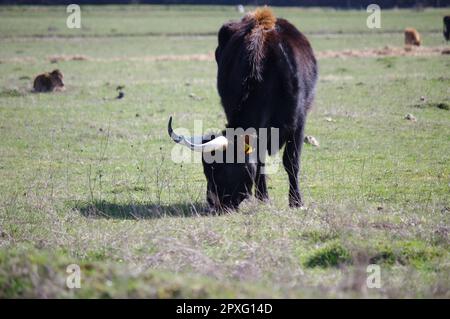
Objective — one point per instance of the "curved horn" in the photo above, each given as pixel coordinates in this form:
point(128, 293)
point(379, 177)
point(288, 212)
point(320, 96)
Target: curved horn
point(219, 143)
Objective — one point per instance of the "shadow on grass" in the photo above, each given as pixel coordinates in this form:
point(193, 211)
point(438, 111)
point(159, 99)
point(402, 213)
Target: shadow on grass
point(102, 209)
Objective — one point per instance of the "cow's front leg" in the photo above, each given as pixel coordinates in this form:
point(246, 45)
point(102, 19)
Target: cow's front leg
point(261, 192)
point(291, 163)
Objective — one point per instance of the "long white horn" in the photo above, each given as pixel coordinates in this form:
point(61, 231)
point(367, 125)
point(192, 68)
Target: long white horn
point(195, 144)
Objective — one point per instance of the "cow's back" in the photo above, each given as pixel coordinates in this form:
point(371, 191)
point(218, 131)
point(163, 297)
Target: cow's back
point(279, 89)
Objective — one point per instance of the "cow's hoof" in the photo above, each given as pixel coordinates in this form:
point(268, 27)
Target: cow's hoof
point(295, 205)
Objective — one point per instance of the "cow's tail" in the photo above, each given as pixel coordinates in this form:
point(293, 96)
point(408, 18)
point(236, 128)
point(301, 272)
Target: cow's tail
point(264, 22)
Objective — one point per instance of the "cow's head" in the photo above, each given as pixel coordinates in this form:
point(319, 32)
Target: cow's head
point(57, 78)
point(228, 168)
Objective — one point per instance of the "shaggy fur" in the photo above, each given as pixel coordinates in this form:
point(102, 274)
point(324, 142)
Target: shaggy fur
point(49, 82)
point(263, 22)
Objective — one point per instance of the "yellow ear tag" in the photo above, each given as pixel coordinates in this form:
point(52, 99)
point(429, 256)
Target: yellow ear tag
point(248, 149)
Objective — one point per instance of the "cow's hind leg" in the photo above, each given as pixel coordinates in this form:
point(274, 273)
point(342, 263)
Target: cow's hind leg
point(291, 162)
point(261, 192)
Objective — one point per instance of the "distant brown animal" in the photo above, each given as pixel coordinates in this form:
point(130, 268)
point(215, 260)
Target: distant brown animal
point(447, 28)
point(412, 37)
point(49, 82)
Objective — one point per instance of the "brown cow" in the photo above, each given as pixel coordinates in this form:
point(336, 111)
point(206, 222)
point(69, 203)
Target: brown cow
point(49, 82)
point(412, 37)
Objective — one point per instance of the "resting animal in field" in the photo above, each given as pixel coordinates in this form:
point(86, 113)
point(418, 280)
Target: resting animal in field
point(49, 82)
point(412, 37)
point(447, 28)
point(266, 78)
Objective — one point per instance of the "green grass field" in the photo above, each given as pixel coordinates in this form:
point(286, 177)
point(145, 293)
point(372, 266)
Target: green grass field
point(88, 179)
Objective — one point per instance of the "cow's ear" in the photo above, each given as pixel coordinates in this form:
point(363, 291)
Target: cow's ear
point(248, 142)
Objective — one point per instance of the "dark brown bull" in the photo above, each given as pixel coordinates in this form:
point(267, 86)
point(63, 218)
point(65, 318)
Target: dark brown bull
point(266, 78)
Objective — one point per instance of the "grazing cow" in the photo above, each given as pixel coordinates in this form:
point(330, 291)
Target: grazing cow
point(49, 82)
point(412, 37)
point(447, 28)
point(266, 79)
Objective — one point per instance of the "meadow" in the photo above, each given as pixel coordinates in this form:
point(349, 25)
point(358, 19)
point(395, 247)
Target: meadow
point(88, 179)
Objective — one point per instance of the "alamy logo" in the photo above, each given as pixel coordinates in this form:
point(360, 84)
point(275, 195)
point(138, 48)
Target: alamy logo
point(74, 19)
point(240, 146)
point(374, 19)
point(374, 277)
point(74, 278)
